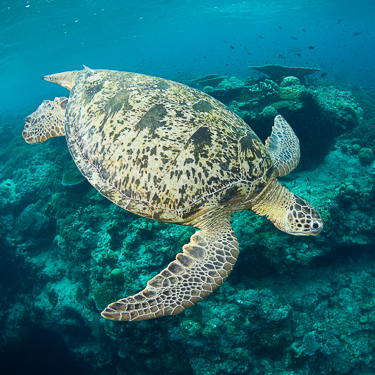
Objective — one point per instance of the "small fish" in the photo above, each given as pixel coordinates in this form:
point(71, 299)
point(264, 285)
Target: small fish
point(323, 74)
point(310, 47)
point(231, 47)
point(293, 37)
point(260, 36)
point(303, 30)
point(357, 33)
point(340, 20)
point(280, 27)
point(298, 54)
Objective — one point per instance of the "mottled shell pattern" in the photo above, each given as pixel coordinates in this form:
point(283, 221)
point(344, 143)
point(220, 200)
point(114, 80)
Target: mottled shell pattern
point(161, 149)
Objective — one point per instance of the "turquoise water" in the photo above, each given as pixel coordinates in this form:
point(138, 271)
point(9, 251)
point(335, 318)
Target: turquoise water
point(293, 304)
point(168, 38)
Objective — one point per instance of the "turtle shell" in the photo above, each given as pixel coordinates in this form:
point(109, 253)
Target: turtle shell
point(161, 149)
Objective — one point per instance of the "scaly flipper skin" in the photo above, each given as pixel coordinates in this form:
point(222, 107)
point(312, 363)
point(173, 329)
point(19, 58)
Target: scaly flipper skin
point(204, 265)
point(283, 147)
point(46, 122)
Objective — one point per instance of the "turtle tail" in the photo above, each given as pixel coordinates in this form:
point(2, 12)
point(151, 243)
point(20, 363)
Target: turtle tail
point(64, 79)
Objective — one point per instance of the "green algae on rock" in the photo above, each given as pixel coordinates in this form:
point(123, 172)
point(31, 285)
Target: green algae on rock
point(117, 276)
point(290, 81)
point(366, 156)
point(103, 296)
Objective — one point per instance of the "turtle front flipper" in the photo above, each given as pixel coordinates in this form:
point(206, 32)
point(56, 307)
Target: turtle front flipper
point(47, 121)
point(283, 147)
point(201, 268)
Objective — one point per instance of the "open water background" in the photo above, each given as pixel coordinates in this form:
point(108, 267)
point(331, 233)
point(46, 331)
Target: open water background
point(174, 39)
point(178, 37)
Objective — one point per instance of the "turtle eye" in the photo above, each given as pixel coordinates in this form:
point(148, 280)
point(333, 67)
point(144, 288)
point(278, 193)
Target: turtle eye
point(315, 225)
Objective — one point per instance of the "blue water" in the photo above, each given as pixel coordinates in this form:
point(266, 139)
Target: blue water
point(175, 38)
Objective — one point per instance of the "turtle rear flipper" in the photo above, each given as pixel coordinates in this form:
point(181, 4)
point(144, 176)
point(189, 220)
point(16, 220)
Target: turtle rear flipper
point(201, 268)
point(283, 147)
point(47, 121)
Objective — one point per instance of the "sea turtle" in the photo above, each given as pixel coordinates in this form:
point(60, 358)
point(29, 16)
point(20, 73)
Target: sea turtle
point(171, 153)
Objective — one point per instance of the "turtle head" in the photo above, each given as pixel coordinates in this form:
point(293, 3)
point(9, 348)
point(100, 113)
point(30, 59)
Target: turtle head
point(301, 219)
point(287, 211)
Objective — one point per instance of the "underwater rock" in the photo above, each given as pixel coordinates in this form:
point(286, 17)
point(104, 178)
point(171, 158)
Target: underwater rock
point(208, 90)
point(278, 72)
point(342, 363)
point(233, 89)
point(238, 110)
point(109, 258)
point(8, 195)
point(31, 218)
point(263, 90)
point(103, 295)
point(117, 276)
point(344, 148)
point(308, 346)
point(282, 104)
point(209, 80)
point(365, 131)
point(290, 81)
point(72, 176)
point(366, 156)
point(228, 95)
point(340, 107)
point(269, 112)
point(355, 148)
point(291, 92)
point(230, 84)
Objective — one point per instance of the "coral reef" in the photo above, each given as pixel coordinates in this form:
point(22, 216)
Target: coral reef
point(318, 114)
point(206, 81)
point(290, 81)
point(278, 72)
point(366, 156)
point(293, 305)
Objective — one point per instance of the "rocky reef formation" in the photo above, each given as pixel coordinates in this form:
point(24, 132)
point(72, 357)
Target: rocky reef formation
point(277, 72)
point(317, 113)
point(292, 305)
